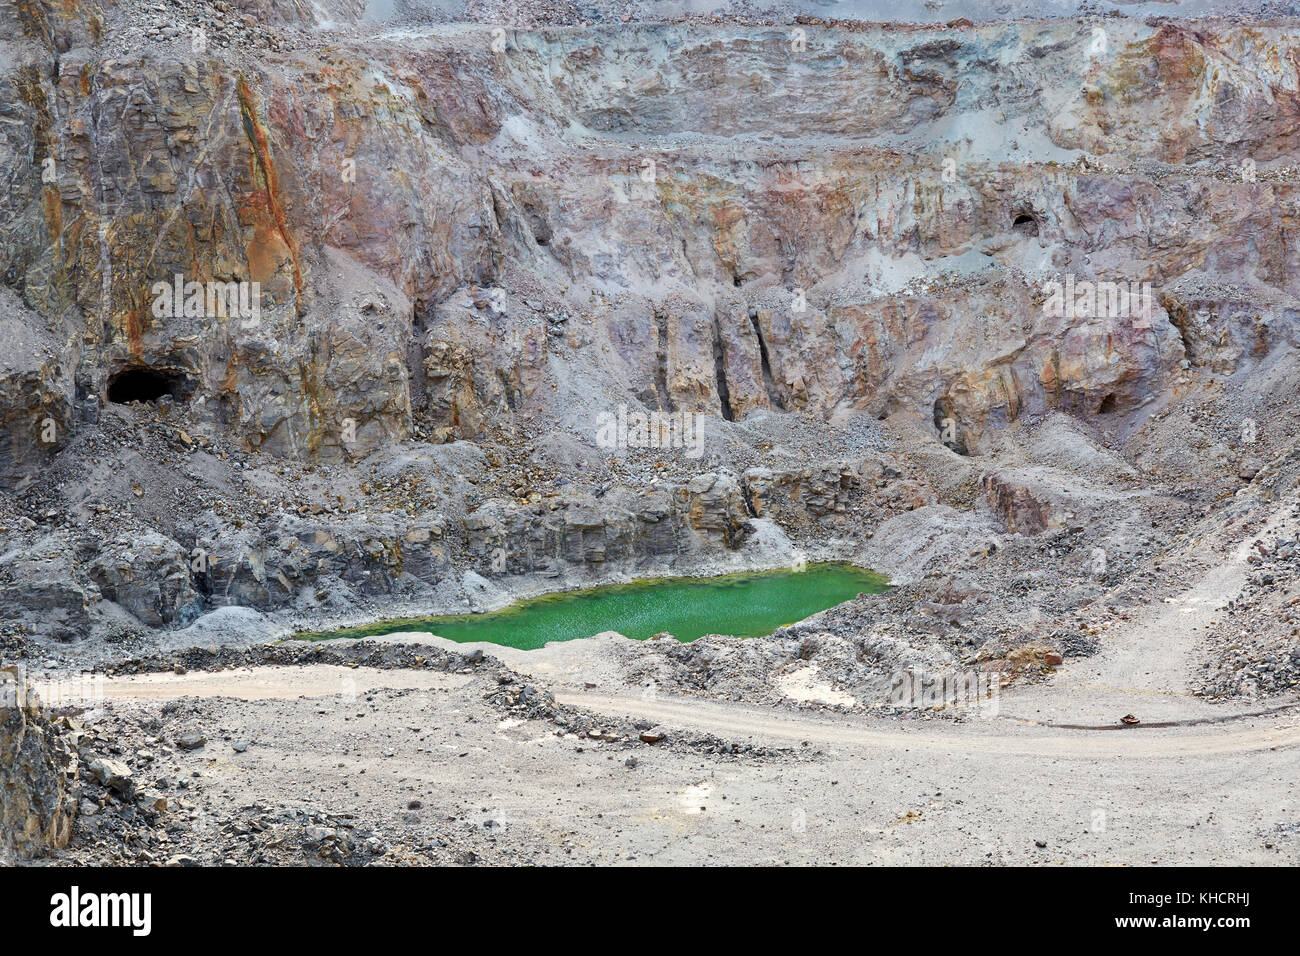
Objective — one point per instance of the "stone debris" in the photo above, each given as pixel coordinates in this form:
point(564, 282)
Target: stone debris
point(478, 370)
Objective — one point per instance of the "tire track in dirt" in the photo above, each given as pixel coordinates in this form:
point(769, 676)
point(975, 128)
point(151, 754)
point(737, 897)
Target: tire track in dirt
point(271, 683)
point(732, 721)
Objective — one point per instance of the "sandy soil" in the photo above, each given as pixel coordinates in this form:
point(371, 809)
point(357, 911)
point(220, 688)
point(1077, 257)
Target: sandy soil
point(852, 790)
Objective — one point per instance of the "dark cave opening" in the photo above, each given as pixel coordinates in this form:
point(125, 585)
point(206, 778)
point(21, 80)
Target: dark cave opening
point(139, 384)
point(945, 424)
point(1025, 224)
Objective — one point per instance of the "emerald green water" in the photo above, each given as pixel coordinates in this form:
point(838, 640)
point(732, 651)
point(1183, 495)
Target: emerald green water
point(742, 605)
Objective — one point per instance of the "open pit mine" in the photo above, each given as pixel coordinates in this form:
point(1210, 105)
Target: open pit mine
point(448, 432)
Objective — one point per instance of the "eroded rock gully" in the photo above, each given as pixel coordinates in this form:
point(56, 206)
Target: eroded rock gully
point(833, 253)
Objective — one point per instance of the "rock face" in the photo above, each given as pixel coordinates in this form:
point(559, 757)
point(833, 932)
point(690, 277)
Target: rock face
point(37, 771)
point(150, 578)
point(389, 202)
point(814, 491)
point(315, 253)
point(35, 392)
point(1020, 512)
point(44, 581)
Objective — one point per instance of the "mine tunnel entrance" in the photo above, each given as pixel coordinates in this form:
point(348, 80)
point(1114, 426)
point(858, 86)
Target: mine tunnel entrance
point(145, 385)
point(946, 424)
point(1025, 224)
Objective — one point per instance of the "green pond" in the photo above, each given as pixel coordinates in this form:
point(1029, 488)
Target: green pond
point(742, 605)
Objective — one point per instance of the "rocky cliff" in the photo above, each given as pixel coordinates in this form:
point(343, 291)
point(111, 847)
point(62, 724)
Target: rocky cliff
point(855, 218)
point(306, 308)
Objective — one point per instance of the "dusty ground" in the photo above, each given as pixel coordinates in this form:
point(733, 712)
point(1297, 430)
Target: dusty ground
point(435, 777)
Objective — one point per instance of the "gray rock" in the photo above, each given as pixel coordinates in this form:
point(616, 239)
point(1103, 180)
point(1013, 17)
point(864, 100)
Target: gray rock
point(316, 835)
point(38, 798)
point(113, 774)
